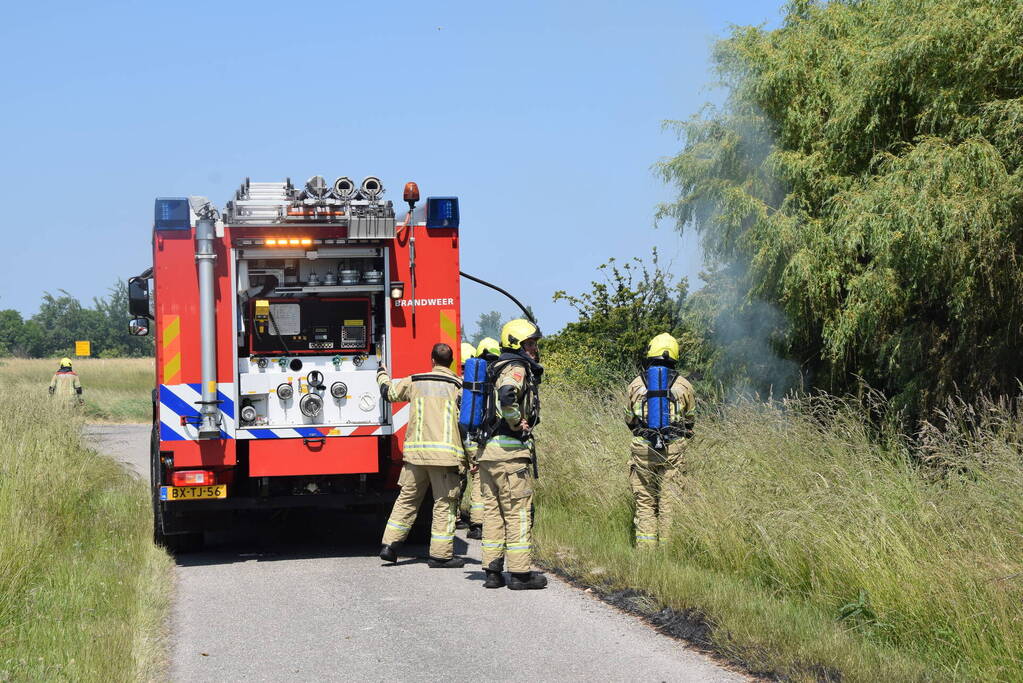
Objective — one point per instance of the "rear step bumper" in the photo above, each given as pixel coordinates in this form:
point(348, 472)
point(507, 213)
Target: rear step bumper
point(324, 501)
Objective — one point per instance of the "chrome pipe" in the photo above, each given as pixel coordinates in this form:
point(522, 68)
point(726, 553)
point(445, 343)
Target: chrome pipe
point(209, 412)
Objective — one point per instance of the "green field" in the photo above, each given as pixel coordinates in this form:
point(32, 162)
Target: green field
point(115, 390)
point(83, 590)
point(811, 542)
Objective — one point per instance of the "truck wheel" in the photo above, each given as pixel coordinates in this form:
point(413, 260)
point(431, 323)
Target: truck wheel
point(173, 542)
point(154, 481)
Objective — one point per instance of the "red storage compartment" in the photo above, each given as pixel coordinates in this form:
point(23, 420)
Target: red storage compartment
point(333, 455)
point(205, 453)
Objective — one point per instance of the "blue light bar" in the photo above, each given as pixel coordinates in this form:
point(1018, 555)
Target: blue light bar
point(172, 214)
point(442, 212)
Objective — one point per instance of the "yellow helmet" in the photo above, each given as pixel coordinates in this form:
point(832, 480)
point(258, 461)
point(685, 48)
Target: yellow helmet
point(488, 345)
point(467, 351)
point(517, 331)
point(663, 346)
point(65, 362)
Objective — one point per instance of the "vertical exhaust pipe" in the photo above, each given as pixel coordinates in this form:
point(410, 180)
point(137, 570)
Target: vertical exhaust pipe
point(209, 413)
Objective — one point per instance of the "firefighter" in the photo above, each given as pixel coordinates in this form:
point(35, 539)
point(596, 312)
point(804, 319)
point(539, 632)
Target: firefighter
point(505, 463)
point(66, 386)
point(434, 457)
point(657, 466)
point(488, 349)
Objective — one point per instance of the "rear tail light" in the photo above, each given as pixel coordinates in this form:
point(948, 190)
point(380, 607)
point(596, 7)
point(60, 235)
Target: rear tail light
point(193, 478)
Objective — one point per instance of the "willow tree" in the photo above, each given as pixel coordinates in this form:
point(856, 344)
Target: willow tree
point(864, 177)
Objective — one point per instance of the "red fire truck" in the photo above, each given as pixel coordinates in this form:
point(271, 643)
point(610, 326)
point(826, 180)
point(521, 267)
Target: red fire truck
point(271, 318)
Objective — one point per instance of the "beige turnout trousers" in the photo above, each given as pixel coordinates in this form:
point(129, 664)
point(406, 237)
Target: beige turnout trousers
point(657, 477)
point(508, 509)
point(446, 482)
point(475, 498)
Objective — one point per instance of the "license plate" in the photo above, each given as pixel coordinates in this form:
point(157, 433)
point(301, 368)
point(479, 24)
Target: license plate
point(192, 492)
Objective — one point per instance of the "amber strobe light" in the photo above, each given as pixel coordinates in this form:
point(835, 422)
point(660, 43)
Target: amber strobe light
point(286, 242)
point(411, 195)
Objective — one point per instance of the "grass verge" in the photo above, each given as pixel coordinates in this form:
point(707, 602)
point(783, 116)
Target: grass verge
point(83, 590)
point(812, 545)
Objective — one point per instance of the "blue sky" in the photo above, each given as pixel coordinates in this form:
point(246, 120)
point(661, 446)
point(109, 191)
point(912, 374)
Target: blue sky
point(543, 117)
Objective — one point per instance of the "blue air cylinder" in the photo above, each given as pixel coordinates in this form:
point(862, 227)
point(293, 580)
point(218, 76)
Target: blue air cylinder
point(470, 417)
point(658, 408)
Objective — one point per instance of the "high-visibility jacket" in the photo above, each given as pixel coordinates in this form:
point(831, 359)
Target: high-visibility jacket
point(432, 437)
point(65, 386)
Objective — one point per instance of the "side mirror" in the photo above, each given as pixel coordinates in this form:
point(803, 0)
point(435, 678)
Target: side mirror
point(138, 297)
point(139, 327)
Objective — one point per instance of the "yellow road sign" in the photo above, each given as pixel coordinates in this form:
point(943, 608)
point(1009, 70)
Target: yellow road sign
point(83, 348)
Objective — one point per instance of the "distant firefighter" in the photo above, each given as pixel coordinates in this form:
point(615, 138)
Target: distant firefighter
point(65, 385)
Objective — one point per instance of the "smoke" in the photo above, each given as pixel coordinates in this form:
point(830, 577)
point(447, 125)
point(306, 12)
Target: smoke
point(748, 337)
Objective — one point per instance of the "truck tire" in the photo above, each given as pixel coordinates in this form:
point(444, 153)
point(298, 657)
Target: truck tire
point(173, 542)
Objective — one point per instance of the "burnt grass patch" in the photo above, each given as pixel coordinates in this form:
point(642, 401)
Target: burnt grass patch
point(690, 626)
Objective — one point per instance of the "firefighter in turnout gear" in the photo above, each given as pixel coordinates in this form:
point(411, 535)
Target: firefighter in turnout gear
point(488, 349)
point(507, 460)
point(657, 466)
point(66, 386)
point(434, 457)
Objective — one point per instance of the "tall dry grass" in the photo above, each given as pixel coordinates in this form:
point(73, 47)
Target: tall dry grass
point(114, 390)
point(83, 590)
point(814, 542)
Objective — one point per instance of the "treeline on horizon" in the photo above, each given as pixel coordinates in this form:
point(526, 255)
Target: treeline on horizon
point(858, 198)
point(62, 320)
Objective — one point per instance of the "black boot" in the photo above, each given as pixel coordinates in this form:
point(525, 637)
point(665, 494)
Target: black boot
point(388, 552)
point(494, 579)
point(475, 531)
point(449, 563)
point(527, 581)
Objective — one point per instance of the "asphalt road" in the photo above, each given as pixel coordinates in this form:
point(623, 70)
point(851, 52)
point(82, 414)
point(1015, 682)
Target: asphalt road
point(302, 600)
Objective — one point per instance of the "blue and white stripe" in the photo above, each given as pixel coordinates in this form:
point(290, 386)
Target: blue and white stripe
point(180, 400)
